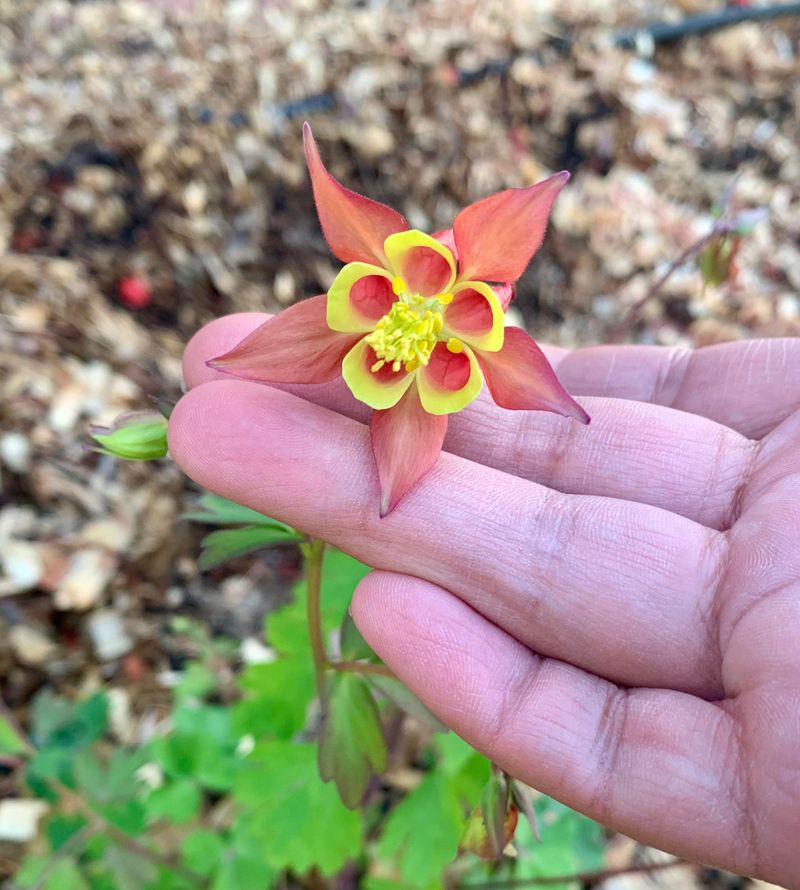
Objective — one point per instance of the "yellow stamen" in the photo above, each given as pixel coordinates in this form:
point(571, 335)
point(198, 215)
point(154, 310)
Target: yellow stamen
point(398, 285)
point(444, 299)
point(407, 334)
point(455, 345)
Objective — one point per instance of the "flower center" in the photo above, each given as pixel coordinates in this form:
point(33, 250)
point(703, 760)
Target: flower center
point(408, 333)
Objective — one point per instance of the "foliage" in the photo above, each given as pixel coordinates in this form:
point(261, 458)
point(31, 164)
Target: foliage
point(226, 794)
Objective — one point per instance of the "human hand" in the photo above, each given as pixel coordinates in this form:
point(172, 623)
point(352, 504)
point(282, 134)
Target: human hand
point(611, 613)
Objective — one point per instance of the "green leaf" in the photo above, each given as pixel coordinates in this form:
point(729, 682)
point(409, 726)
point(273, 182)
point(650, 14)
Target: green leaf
point(353, 646)
point(340, 576)
point(57, 721)
point(351, 743)
point(60, 827)
point(197, 681)
point(216, 510)
point(716, 260)
point(130, 870)
point(571, 844)
point(404, 698)
point(30, 871)
point(454, 752)
point(104, 783)
point(225, 544)
point(267, 709)
point(371, 883)
point(141, 435)
point(66, 876)
point(177, 801)
point(88, 773)
point(238, 873)
point(10, 742)
point(422, 832)
point(492, 824)
point(467, 783)
point(202, 746)
point(202, 851)
point(301, 822)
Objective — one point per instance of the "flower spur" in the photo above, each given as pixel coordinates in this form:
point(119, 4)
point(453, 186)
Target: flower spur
point(414, 323)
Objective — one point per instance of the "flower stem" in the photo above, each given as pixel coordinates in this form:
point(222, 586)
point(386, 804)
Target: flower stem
point(315, 552)
point(586, 877)
point(361, 667)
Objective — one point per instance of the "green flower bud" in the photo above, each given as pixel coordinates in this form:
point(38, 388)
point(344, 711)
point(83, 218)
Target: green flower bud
point(141, 435)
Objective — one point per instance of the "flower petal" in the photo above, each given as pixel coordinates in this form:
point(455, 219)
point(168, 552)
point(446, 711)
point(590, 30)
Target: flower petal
point(504, 293)
point(450, 380)
point(361, 294)
point(519, 376)
point(355, 227)
point(378, 389)
point(295, 346)
point(475, 316)
point(426, 266)
point(497, 236)
point(445, 236)
point(406, 441)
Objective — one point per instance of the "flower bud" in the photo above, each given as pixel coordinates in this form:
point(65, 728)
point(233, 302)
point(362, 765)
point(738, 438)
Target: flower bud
point(140, 435)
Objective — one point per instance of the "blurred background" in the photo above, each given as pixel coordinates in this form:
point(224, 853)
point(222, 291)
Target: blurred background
point(152, 178)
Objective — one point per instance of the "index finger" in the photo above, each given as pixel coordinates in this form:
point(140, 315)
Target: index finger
point(750, 385)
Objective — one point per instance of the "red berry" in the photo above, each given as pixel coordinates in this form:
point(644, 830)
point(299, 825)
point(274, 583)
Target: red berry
point(134, 292)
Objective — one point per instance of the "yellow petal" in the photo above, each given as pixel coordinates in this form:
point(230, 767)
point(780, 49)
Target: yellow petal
point(361, 294)
point(475, 316)
point(381, 389)
point(425, 266)
point(450, 380)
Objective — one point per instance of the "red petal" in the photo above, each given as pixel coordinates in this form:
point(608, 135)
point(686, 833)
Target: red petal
point(519, 376)
point(295, 346)
point(406, 441)
point(504, 293)
point(355, 227)
point(497, 236)
point(446, 237)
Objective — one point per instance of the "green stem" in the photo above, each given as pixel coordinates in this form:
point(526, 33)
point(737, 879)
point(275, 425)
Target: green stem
point(361, 667)
point(315, 552)
point(586, 877)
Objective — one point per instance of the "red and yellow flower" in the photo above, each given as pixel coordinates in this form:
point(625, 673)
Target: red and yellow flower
point(414, 323)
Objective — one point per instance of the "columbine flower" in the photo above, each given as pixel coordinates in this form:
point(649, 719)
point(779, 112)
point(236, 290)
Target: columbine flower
point(412, 323)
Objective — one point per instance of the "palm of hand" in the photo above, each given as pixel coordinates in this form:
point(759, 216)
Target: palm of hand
point(625, 629)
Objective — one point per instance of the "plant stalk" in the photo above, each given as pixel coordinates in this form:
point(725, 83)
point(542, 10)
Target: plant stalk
point(315, 552)
point(361, 667)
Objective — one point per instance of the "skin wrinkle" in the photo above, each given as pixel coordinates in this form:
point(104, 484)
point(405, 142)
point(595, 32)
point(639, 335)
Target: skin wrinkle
point(776, 458)
point(740, 790)
point(611, 732)
point(671, 377)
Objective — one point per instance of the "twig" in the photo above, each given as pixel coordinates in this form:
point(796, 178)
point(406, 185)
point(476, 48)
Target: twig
point(585, 877)
point(97, 821)
point(70, 846)
point(632, 315)
point(361, 667)
point(668, 32)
